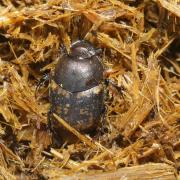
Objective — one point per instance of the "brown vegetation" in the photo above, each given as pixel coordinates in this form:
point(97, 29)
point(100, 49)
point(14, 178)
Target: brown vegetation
point(141, 50)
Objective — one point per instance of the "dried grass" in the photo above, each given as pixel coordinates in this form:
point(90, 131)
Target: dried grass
point(140, 42)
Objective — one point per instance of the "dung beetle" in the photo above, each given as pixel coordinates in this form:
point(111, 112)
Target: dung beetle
point(77, 90)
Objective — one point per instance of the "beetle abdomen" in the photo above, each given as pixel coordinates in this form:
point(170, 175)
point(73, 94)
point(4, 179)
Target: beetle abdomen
point(82, 110)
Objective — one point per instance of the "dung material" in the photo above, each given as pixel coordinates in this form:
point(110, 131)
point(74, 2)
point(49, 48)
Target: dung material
point(140, 53)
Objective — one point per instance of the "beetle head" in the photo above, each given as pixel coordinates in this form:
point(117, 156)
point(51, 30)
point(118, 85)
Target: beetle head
point(81, 49)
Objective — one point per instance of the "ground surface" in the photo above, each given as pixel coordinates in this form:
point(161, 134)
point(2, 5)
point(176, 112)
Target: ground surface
point(140, 41)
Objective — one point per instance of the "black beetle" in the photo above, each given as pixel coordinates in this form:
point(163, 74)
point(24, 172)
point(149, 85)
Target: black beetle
point(76, 90)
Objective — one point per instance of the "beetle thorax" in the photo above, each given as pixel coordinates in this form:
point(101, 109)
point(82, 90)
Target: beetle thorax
point(80, 70)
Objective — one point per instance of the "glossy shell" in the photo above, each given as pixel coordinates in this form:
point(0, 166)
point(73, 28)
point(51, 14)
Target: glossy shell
point(80, 70)
point(76, 93)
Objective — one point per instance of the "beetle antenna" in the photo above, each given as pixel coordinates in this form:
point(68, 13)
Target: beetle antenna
point(44, 79)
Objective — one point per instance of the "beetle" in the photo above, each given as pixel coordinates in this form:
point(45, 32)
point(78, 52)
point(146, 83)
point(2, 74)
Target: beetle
point(77, 90)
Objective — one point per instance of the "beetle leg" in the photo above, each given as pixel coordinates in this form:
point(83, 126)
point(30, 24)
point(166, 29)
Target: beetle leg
point(44, 79)
point(63, 49)
point(98, 51)
point(49, 115)
point(114, 87)
point(54, 133)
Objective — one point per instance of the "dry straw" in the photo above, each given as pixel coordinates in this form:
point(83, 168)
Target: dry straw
point(140, 42)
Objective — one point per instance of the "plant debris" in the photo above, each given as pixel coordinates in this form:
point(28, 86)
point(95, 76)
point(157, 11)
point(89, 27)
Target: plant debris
point(141, 52)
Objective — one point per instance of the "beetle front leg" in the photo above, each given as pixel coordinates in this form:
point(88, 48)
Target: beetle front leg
point(44, 79)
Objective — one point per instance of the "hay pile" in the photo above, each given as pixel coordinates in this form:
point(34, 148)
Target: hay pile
point(141, 51)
